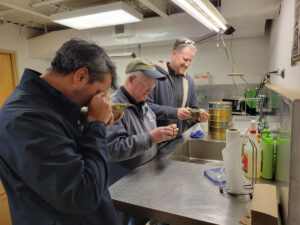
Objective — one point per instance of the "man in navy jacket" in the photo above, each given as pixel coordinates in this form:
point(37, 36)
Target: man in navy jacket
point(171, 98)
point(53, 170)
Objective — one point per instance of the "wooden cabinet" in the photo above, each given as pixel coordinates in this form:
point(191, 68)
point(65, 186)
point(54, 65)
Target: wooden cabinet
point(8, 78)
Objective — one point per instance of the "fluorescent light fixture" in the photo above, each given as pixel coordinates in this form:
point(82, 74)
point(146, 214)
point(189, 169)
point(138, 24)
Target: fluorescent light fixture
point(98, 16)
point(210, 10)
point(204, 12)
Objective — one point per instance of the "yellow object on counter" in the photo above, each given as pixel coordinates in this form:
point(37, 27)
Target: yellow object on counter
point(220, 119)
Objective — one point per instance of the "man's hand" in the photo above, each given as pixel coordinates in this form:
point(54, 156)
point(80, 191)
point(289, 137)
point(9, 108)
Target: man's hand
point(119, 117)
point(184, 114)
point(114, 120)
point(161, 134)
point(100, 108)
point(203, 116)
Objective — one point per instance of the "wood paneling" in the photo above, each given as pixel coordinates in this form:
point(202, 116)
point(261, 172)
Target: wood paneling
point(7, 77)
point(8, 81)
point(4, 208)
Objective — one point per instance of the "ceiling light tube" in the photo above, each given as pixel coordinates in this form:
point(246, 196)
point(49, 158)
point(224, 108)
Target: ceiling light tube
point(98, 16)
point(197, 15)
point(211, 11)
point(122, 55)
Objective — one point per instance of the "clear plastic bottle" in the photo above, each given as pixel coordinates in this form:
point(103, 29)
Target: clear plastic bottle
point(266, 122)
point(248, 156)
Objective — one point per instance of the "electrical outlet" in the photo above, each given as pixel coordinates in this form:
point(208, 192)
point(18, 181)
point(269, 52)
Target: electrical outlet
point(282, 73)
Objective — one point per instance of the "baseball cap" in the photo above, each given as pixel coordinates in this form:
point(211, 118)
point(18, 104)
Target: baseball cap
point(145, 66)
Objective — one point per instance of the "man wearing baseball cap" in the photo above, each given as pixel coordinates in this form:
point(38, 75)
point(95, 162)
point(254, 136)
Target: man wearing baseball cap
point(132, 141)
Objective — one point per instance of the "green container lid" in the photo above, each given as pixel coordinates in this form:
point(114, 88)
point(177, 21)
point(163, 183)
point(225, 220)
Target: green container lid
point(284, 137)
point(267, 139)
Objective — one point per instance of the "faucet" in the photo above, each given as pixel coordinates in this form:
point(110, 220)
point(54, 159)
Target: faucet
point(260, 109)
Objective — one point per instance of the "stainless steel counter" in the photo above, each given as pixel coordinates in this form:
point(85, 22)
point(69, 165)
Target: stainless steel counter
point(177, 192)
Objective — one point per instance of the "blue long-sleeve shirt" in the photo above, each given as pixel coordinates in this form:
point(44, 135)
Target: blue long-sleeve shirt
point(52, 171)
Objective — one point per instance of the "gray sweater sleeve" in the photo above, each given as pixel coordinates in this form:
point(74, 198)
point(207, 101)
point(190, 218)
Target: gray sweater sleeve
point(122, 146)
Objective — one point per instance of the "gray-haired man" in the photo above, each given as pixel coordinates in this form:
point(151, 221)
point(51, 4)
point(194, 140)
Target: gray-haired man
point(132, 141)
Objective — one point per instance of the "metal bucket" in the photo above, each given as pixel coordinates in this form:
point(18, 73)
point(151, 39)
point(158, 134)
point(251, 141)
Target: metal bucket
point(220, 119)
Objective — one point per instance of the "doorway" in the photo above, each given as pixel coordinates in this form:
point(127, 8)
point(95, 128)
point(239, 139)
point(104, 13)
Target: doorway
point(4, 208)
point(8, 81)
point(8, 74)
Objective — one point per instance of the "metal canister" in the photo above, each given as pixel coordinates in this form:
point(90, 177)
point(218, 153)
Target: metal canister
point(220, 119)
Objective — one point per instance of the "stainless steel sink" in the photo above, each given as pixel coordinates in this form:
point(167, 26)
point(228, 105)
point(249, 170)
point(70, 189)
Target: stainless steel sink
point(199, 151)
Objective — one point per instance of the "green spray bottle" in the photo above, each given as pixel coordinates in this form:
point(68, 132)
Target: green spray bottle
point(267, 155)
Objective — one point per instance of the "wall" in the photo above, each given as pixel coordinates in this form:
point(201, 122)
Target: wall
point(281, 41)
point(14, 38)
point(250, 57)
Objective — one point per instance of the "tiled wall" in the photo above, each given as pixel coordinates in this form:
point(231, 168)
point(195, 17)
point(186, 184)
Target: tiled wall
point(217, 92)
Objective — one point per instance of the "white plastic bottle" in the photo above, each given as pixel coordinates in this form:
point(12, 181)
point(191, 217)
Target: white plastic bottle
point(247, 157)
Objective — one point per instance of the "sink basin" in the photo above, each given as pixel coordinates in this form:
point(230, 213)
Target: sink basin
point(199, 151)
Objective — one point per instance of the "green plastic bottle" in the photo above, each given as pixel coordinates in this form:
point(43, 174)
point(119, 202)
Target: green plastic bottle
point(283, 145)
point(267, 155)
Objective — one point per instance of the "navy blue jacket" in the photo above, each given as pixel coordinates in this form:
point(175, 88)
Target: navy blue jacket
point(161, 100)
point(53, 173)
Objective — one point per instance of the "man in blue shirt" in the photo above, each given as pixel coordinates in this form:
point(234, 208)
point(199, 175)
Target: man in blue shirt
point(53, 171)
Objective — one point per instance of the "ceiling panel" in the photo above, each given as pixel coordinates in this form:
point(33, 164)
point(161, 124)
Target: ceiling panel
point(35, 13)
point(47, 7)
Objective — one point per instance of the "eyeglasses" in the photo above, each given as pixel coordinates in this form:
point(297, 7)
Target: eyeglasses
point(147, 85)
point(186, 42)
point(178, 44)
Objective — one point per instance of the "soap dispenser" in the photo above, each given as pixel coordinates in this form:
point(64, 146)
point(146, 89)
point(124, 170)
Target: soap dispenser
point(267, 155)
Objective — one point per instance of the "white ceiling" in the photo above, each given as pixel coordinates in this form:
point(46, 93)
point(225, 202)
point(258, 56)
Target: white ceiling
point(36, 13)
point(163, 22)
